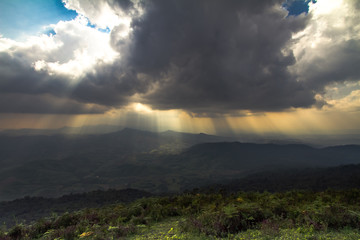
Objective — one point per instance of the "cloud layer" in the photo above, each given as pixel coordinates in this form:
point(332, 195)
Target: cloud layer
point(202, 56)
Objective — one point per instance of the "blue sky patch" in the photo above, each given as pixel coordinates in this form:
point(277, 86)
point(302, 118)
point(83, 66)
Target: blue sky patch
point(20, 18)
point(49, 31)
point(297, 7)
point(103, 30)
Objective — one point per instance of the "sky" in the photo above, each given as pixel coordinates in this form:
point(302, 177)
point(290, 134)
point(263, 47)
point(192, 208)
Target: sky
point(220, 67)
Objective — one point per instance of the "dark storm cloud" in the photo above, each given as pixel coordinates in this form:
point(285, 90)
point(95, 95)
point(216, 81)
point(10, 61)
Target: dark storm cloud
point(109, 86)
point(44, 103)
point(207, 55)
point(24, 90)
point(18, 76)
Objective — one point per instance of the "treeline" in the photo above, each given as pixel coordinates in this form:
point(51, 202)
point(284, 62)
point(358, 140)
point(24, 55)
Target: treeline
point(316, 179)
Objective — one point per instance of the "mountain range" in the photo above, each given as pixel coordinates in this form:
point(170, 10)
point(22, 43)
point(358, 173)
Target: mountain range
point(54, 165)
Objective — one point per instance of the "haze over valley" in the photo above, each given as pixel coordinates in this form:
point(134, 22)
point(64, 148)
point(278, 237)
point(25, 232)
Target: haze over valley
point(54, 165)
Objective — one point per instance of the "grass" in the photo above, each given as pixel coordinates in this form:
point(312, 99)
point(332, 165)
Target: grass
point(244, 215)
point(171, 229)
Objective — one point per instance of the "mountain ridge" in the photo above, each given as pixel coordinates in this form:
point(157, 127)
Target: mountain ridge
point(155, 162)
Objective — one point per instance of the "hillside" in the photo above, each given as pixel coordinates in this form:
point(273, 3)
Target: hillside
point(55, 165)
point(318, 179)
point(51, 166)
point(242, 215)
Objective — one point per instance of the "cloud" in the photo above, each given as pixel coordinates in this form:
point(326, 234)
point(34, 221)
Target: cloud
point(328, 50)
point(54, 65)
point(206, 57)
point(343, 96)
point(349, 103)
point(45, 104)
point(18, 76)
point(104, 14)
point(26, 90)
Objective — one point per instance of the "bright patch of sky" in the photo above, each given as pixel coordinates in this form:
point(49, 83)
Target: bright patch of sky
point(22, 18)
point(297, 7)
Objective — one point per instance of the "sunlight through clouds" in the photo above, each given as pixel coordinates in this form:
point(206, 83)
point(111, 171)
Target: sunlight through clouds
point(235, 68)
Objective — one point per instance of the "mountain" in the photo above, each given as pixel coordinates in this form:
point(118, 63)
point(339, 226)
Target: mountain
point(52, 166)
point(26, 148)
point(243, 156)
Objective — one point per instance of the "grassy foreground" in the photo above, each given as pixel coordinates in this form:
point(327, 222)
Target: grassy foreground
point(171, 229)
point(244, 215)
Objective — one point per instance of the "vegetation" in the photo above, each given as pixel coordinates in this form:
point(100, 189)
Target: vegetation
point(328, 214)
point(30, 209)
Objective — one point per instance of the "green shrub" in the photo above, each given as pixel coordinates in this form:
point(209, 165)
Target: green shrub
point(17, 232)
point(66, 220)
point(39, 228)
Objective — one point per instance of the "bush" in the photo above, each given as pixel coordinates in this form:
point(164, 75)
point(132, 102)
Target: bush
point(39, 228)
point(17, 232)
point(66, 220)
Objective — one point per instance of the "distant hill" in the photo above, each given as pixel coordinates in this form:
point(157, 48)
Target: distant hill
point(53, 165)
point(249, 156)
point(316, 179)
point(36, 147)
